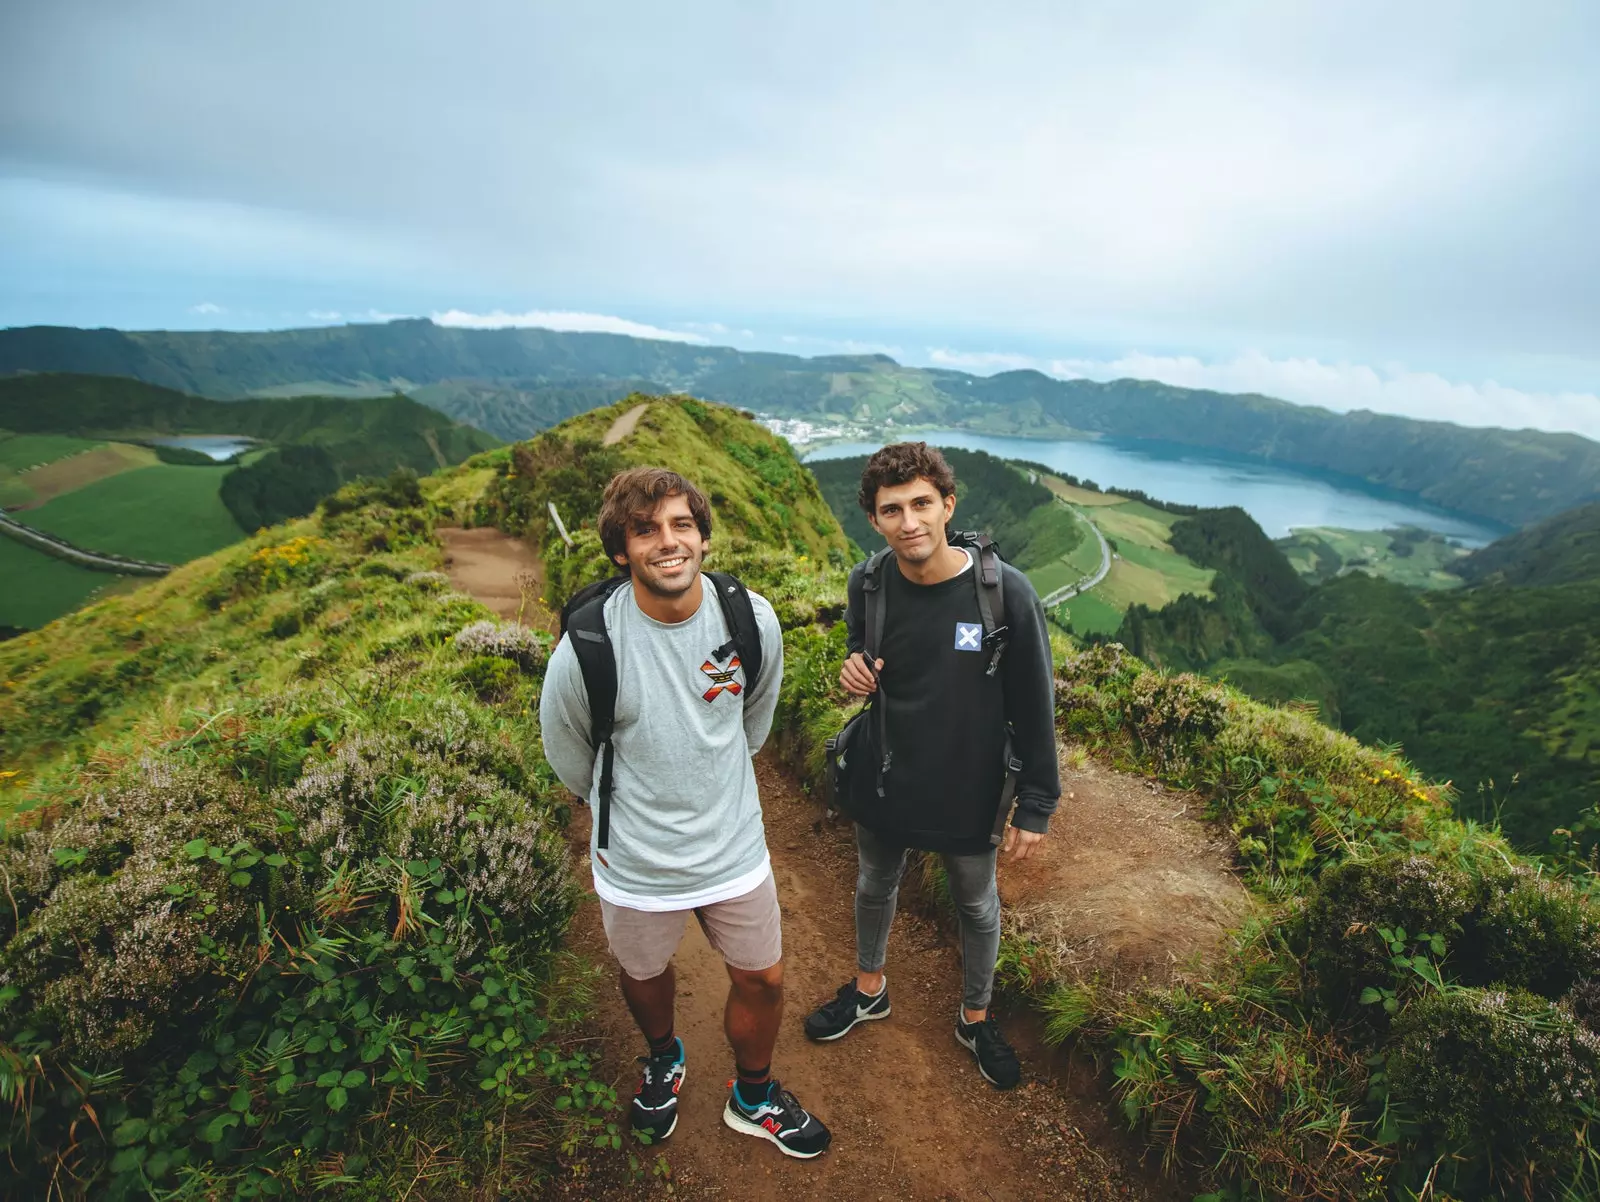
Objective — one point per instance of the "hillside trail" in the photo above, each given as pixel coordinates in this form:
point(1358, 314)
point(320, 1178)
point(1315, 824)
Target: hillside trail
point(1130, 885)
point(624, 425)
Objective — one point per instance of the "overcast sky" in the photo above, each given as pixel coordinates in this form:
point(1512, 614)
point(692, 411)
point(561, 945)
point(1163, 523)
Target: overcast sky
point(1379, 205)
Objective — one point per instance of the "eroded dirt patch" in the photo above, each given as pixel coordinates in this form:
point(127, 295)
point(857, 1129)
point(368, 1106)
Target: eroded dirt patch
point(500, 571)
point(1131, 884)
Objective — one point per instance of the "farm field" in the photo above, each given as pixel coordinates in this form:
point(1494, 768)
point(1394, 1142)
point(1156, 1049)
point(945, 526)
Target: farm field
point(168, 513)
point(1412, 557)
point(40, 588)
point(1145, 569)
point(21, 454)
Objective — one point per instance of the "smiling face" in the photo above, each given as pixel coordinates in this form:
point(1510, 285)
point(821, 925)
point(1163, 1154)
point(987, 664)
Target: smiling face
point(912, 517)
point(665, 548)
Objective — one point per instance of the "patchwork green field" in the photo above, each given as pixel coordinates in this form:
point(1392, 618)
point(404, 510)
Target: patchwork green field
point(168, 513)
point(1409, 556)
point(21, 454)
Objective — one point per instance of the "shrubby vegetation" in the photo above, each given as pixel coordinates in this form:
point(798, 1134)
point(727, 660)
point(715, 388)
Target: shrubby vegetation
point(285, 886)
point(1493, 686)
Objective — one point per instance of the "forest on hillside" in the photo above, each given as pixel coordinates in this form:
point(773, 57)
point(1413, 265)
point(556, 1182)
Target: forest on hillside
point(1495, 687)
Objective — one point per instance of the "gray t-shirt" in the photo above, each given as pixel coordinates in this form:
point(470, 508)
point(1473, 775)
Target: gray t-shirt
point(685, 814)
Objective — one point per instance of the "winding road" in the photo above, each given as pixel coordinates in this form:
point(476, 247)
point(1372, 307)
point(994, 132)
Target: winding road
point(62, 549)
point(1068, 591)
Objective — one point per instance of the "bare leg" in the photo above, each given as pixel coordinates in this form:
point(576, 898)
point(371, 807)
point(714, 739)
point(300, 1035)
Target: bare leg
point(650, 1002)
point(755, 1010)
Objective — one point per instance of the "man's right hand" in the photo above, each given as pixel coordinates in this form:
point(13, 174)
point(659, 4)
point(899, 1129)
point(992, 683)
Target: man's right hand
point(858, 679)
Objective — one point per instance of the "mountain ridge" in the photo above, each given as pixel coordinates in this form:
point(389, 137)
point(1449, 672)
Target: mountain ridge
point(1514, 477)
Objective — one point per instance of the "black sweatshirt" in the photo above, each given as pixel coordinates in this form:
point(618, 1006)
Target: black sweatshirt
point(947, 720)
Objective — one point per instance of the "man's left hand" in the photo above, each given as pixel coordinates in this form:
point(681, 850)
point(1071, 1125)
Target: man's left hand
point(1019, 844)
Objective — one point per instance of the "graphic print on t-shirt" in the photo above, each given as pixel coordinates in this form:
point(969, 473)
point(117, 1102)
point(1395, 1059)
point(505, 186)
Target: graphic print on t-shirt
point(969, 636)
point(721, 679)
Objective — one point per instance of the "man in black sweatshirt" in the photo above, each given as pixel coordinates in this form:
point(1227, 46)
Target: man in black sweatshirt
point(948, 719)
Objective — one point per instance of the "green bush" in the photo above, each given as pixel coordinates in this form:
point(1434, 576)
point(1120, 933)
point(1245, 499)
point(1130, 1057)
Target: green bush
point(1356, 914)
point(1501, 1087)
point(490, 677)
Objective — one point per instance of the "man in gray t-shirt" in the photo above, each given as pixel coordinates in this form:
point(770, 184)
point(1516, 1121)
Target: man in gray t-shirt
point(685, 816)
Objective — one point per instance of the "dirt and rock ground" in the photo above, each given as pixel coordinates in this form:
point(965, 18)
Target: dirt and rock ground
point(1130, 884)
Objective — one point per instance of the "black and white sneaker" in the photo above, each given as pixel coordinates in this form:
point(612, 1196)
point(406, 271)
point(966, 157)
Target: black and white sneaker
point(779, 1118)
point(654, 1112)
point(996, 1061)
point(849, 1007)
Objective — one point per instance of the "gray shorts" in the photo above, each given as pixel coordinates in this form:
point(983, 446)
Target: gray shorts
point(747, 930)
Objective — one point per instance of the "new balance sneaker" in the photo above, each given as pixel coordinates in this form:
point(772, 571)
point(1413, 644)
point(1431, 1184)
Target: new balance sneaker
point(996, 1061)
point(850, 1006)
point(654, 1112)
point(778, 1117)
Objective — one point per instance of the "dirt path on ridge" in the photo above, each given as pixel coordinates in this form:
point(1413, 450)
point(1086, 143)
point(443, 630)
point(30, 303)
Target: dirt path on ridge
point(1129, 883)
point(624, 425)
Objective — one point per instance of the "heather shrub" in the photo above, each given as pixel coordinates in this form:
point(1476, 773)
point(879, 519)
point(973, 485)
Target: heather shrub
point(1531, 932)
point(1500, 1087)
point(528, 649)
point(1356, 915)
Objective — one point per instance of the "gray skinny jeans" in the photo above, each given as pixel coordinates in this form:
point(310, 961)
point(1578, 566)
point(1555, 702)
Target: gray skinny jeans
point(972, 888)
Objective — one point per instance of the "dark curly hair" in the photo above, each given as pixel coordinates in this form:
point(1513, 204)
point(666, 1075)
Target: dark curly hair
point(901, 463)
point(635, 493)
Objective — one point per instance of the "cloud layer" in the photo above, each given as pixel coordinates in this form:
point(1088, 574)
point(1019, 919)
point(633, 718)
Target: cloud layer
point(592, 323)
point(1354, 183)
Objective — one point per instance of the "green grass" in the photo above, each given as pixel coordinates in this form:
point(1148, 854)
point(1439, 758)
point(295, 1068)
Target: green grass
point(166, 513)
point(21, 452)
point(1092, 614)
point(40, 588)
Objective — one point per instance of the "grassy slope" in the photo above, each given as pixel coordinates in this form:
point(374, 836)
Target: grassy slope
point(267, 658)
point(1561, 550)
point(167, 513)
point(366, 436)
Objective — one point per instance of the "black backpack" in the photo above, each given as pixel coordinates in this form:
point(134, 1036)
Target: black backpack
point(583, 616)
point(859, 756)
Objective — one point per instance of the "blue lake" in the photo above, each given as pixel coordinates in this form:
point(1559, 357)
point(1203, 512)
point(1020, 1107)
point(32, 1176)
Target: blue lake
point(1279, 498)
point(218, 446)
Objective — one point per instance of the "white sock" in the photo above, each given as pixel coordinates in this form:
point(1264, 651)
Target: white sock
point(881, 988)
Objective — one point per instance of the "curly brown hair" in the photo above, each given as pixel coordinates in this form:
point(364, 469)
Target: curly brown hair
point(635, 493)
point(901, 463)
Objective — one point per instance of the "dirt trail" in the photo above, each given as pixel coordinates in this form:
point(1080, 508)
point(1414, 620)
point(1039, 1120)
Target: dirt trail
point(624, 425)
point(1129, 881)
point(494, 567)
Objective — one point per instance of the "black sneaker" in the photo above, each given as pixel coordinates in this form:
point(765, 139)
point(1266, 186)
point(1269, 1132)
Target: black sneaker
point(996, 1061)
point(779, 1118)
point(654, 1112)
point(849, 1007)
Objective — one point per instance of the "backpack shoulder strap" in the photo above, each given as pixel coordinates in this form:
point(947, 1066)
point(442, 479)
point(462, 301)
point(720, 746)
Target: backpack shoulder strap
point(740, 615)
point(597, 660)
point(872, 596)
point(989, 581)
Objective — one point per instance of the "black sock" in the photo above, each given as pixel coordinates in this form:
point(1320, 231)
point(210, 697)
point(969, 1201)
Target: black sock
point(667, 1043)
point(753, 1085)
